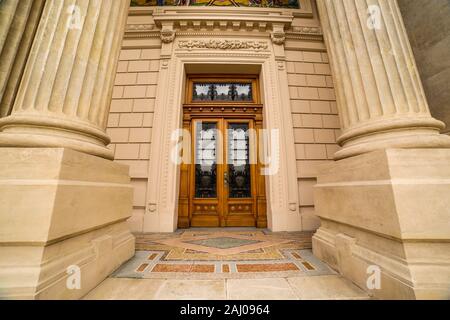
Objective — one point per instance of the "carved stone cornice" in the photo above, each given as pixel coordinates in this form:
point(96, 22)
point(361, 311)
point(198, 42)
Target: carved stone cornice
point(138, 31)
point(305, 33)
point(223, 45)
point(214, 19)
point(186, 21)
point(299, 36)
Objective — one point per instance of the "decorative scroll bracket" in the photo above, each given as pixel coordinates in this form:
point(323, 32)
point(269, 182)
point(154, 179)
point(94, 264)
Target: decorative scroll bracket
point(167, 35)
point(278, 35)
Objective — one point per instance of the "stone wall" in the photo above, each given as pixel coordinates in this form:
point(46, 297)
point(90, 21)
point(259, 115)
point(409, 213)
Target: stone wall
point(131, 115)
point(428, 27)
point(315, 120)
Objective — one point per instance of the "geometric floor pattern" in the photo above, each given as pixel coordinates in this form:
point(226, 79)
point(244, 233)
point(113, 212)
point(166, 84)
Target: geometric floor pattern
point(223, 254)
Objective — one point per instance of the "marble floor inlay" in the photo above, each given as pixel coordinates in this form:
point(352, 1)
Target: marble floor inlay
point(223, 242)
point(223, 254)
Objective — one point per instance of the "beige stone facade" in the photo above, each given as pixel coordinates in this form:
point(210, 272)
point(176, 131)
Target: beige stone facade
point(88, 114)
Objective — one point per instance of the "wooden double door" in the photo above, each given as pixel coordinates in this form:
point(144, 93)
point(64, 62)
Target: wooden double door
point(223, 185)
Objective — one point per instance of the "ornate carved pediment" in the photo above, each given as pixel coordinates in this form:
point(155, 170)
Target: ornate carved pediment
point(223, 44)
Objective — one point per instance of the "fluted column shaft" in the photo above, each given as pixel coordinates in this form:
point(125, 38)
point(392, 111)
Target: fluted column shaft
point(20, 19)
point(64, 96)
point(380, 97)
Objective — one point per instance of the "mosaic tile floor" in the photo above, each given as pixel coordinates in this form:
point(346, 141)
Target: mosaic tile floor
point(223, 254)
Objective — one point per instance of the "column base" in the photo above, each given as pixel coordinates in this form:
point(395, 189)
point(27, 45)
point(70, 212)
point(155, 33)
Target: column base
point(37, 131)
point(388, 209)
point(60, 209)
point(415, 133)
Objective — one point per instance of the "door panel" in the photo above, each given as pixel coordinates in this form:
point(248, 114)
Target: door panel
point(206, 160)
point(223, 175)
point(238, 155)
point(207, 171)
point(239, 175)
point(222, 186)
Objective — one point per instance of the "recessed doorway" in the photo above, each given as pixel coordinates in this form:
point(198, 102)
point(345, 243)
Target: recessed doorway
point(221, 185)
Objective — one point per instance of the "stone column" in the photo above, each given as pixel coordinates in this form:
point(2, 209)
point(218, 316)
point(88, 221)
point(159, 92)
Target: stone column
point(7, 11)
point(380, 97)
point(8, 29)
point(384, 205)
point(65, 93)
point(63, 206)
point(16, 38)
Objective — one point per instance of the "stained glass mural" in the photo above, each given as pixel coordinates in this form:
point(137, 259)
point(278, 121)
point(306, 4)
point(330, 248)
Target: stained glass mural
point(293, 4)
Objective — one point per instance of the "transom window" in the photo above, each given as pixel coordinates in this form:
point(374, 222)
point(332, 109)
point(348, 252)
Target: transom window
point(222, 92)
point(204, 90)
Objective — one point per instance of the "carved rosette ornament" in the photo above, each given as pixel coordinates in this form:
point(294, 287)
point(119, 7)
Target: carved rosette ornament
point(223, 44)
point(167, 35)
point(278, 37)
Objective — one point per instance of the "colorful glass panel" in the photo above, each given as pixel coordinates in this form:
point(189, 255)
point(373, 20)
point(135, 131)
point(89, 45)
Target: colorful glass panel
point(293, 4)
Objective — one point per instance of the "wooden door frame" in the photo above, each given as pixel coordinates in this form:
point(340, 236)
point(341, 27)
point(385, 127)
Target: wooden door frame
point(226, 111)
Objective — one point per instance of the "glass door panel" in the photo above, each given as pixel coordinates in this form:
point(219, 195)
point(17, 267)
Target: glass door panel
point(206, 160)
point(223, 185)
point(239, 174)
point(239, 187)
